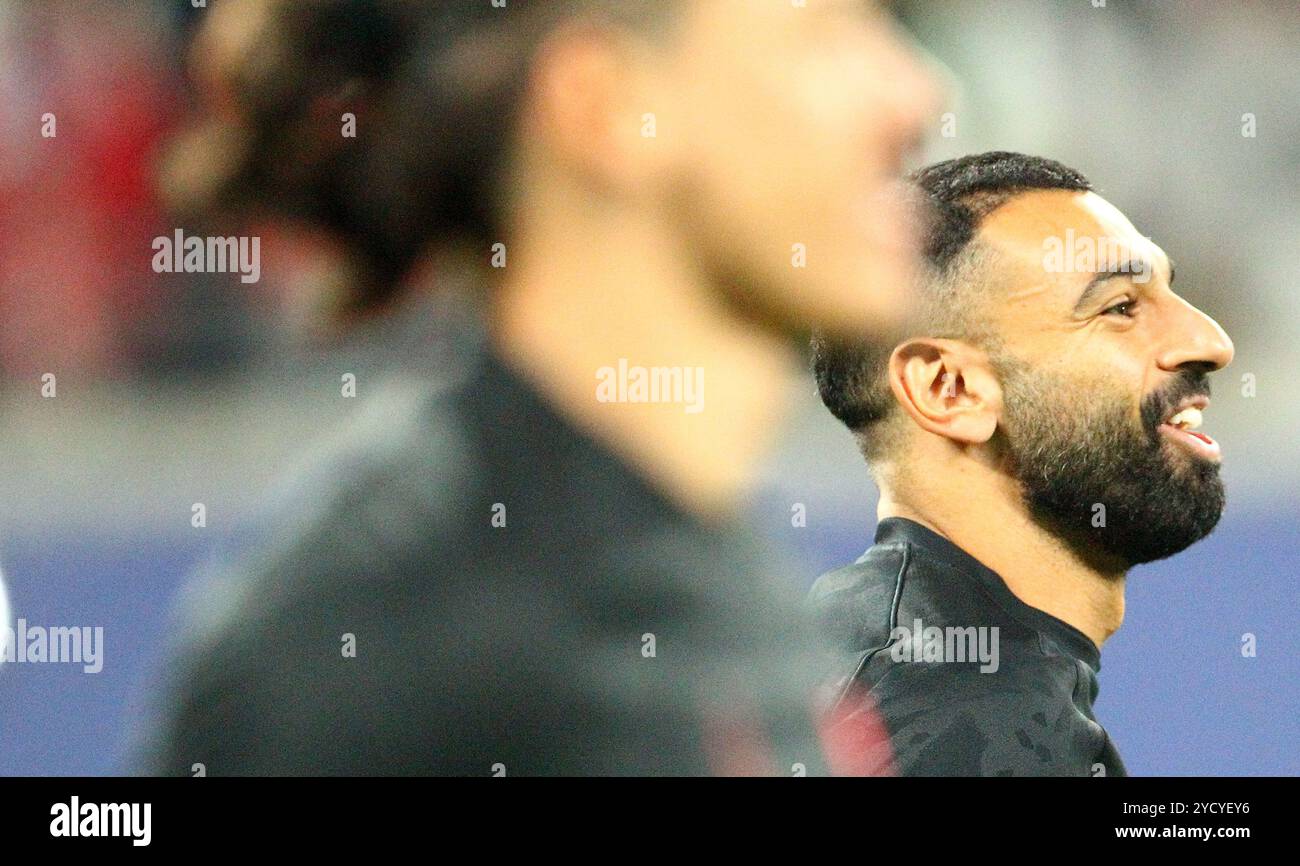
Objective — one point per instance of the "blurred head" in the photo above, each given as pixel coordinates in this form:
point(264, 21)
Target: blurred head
point(783, 132)
point(1054, 350)
point(764, 137)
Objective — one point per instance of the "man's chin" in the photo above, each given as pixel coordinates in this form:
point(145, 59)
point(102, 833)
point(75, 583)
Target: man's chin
point(1142, 521)
point(1173, 540)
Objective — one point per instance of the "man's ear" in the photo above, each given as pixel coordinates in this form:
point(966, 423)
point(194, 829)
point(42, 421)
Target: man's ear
point(947, 388)
point(588, 91)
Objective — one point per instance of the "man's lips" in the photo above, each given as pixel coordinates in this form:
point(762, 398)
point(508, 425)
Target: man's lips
point(1180, 427)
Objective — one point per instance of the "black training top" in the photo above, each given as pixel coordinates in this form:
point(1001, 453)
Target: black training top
point(470, 585)
point(974, 682)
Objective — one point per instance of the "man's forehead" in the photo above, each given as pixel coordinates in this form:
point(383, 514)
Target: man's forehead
point(1047, 243)
point(1037, 221)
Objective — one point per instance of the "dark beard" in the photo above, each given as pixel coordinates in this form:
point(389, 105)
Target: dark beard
point(1073, 448)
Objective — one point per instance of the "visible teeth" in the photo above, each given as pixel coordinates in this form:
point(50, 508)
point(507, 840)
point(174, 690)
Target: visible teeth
point(1188, 419)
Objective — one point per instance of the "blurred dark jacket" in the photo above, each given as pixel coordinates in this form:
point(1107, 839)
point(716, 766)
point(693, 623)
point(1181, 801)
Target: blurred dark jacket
point(601, 630)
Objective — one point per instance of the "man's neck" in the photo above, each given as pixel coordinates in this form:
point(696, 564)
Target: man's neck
point(988, 520)
point(579, 299)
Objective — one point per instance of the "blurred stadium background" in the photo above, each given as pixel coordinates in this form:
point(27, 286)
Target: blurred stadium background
point(174, 390)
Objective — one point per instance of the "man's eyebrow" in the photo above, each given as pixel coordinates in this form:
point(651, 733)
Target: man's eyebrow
point(1120, 269)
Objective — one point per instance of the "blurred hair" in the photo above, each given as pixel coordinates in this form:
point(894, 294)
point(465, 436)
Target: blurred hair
point(435, 87)
point(959, 194)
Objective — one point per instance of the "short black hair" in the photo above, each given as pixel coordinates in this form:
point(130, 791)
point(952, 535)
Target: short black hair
point(958, 195)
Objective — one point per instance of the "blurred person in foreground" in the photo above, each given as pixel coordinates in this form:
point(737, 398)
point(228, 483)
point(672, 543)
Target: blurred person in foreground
point(537, 563)
point(1033, 439)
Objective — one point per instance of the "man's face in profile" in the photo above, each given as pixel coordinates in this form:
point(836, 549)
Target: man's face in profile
point(793, 124)
point(1103, 370)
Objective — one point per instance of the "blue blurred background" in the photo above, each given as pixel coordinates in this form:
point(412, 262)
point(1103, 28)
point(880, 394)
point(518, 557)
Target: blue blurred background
point(177, 390)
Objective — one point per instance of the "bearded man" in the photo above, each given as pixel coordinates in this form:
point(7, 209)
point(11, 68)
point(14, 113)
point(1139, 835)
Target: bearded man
point(1035, 438)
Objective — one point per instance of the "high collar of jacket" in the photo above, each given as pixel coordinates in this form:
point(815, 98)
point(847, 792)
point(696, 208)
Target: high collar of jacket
point(898, 530)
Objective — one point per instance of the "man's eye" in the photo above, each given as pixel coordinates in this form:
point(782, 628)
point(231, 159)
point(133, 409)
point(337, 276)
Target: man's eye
point(1123, 308)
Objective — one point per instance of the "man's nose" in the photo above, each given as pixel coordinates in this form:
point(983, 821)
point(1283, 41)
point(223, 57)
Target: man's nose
point(1195, 338)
